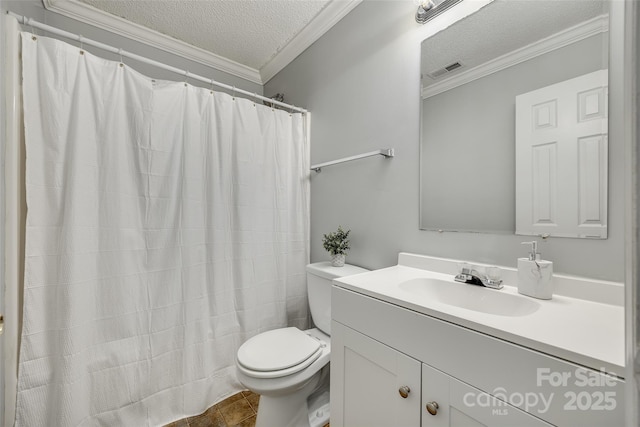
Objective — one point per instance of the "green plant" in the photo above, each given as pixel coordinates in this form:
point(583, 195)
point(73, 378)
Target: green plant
point(337, 242)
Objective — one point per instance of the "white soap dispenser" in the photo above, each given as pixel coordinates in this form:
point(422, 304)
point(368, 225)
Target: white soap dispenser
point(535, 276)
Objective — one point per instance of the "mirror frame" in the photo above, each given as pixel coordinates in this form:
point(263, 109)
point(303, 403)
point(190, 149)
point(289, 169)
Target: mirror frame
point(511, 227)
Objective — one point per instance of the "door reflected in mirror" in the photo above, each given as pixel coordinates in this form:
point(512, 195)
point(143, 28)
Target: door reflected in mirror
point(472, 74)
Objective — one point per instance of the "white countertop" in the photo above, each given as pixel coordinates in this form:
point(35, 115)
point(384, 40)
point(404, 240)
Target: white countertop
point(582, 331)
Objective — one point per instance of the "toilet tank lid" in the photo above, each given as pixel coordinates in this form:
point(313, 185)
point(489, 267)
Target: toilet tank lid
point(327, 271)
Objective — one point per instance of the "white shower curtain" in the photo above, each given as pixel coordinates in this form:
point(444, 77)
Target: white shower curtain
point(166, 224)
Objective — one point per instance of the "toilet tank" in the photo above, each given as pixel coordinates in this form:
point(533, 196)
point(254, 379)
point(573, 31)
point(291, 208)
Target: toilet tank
point(319, 278)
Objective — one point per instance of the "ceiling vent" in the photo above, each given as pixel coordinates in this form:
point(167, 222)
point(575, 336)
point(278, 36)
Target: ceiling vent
point(442, 71)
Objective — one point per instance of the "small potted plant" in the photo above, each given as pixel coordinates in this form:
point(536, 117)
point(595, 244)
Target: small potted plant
point(337, 244)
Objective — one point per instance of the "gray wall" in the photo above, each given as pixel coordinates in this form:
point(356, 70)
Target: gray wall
point(361, 83)
point(34, 9)
point(468, 135)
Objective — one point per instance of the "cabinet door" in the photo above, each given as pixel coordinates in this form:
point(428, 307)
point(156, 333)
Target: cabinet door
point(455, 404)
point(368, 380)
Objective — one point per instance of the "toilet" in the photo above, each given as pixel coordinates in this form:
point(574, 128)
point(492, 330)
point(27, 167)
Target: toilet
point(288, 367)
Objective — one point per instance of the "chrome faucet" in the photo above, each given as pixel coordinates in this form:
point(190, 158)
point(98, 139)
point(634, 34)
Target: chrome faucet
point(472, 276)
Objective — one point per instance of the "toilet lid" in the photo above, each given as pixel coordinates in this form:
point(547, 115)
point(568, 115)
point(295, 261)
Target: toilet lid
point(277, 350)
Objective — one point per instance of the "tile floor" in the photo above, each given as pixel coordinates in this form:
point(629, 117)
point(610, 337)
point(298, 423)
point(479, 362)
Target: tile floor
point(238, 410)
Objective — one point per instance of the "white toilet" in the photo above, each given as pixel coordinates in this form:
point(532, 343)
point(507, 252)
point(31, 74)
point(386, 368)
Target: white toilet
point(289, 368)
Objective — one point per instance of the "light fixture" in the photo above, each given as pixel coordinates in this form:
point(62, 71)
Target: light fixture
point(428, 9)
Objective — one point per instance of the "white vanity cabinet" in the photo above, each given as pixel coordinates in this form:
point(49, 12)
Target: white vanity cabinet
point(380, 386)
point(447, 402)
point(383, 387)
point(475, 379)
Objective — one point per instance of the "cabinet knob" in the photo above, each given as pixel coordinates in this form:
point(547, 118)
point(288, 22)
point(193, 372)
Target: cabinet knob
point(404, 391)
point(432, 408)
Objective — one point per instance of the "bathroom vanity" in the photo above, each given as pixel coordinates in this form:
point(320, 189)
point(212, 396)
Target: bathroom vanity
point(411, 347)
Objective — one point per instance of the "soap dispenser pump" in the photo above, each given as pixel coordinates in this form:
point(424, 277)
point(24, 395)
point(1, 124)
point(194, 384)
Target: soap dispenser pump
point(535, 276)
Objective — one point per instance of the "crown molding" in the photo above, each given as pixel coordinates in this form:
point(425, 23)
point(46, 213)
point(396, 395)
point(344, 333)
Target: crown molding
point(326, 18)
point(90, 15)
point(564, 38)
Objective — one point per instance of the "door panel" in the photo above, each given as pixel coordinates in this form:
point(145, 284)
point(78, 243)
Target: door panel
point(561, 158)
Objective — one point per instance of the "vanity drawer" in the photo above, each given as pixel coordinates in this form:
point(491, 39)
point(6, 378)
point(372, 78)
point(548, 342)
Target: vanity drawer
point(557, 391)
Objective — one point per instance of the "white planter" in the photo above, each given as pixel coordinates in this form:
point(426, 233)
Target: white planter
point(337, 260)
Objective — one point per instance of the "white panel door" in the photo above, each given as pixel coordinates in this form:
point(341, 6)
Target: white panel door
point(561, 158)
point(372, 384)
point(447, 402)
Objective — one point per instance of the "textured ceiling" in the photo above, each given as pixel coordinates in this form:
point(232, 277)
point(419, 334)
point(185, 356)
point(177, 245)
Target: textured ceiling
point(250, 32)
point(501, 27)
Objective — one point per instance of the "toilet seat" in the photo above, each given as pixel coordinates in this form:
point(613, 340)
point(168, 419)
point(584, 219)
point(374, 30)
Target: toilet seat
point(278, 353)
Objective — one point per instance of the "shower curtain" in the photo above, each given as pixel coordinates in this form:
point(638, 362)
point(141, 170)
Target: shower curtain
point(166, 224)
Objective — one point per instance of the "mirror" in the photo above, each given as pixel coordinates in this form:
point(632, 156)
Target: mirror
point(472, 176)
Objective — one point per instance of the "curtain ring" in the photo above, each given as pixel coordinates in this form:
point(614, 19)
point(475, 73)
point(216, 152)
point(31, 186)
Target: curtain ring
point(186, 77)
point(81, 40)
point(233, 93)
point(121, 61)
point(29, 22)
point(212, 83)
point(255, 96)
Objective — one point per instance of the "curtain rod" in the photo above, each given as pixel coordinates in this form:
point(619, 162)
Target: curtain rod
point(385, 152)
point(54, 30)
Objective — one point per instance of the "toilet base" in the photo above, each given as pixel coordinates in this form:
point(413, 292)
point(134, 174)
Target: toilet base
point(290, 410)
point(319, 406)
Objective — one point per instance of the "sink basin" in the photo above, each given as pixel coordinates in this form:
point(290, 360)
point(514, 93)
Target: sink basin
point(471, 297)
